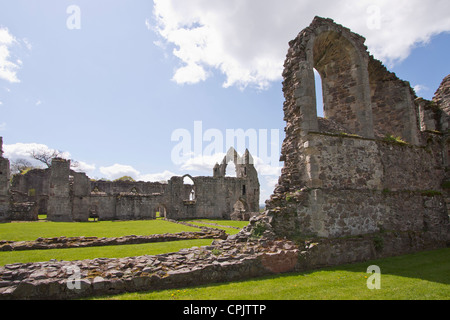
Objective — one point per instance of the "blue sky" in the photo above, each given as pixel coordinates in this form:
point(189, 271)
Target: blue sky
point(112, 91)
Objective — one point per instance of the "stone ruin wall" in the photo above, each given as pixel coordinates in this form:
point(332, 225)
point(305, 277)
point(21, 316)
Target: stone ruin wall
point(66, 195)
point(341, 177)
point(4, 183)
point(345, 194)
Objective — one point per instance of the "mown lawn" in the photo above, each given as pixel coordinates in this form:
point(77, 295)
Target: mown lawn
point(220, 224)
point(421, 276)
point(33, 230)
point(121, 251)
point(25, 231)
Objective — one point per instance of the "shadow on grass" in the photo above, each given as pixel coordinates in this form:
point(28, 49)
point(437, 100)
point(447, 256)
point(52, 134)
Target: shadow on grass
point(433, 266)
point(341, 282)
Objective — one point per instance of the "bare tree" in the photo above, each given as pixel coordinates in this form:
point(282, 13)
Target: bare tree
point(46, 157)
point(19, 165)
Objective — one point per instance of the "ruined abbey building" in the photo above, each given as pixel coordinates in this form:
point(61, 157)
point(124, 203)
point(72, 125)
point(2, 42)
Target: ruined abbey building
point(369, 180)
point(65, 195)
point(372, 176)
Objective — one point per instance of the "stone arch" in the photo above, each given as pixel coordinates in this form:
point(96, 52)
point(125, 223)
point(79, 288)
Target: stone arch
point(232, 157)
point(341, 59)
point(134, 190)
point(189, 188)
point(42, 206)
point(160, 211)
point(240, 205)
point(93, 212)
point(240, 210)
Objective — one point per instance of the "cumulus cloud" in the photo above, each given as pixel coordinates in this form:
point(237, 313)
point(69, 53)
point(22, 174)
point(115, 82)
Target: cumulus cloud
point(23, 151)
point(205, 164)
point(8, 69)
point(157, 177)
point(119, 170)
point(202, 163)
point(420, 88)
point(247, 40)
point(85, 167)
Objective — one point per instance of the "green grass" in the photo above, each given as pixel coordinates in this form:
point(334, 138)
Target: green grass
point(26, 231)
point(121, 251)
point(421, 276)
point(221, 224)
point(32, 230)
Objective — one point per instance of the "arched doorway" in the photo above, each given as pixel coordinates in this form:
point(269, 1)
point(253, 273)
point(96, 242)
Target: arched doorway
point(160, 212)
point(189, 189)
point(240, 211)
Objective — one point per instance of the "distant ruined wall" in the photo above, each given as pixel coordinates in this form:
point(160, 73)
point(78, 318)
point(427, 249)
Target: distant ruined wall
point(59, 201)
point(4, 184)
point(66, 195)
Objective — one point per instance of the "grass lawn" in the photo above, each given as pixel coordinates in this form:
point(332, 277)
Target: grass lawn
point(120, 251)
point(220, 224)
point(420, 276)
point(22, 231)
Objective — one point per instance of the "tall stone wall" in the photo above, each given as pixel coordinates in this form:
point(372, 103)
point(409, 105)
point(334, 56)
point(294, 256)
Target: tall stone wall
point(59, 201)
point(342, 182)
point(442, 95)
point(393, 104)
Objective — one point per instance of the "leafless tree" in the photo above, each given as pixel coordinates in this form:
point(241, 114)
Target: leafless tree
point(46, 157)
point(19, 165)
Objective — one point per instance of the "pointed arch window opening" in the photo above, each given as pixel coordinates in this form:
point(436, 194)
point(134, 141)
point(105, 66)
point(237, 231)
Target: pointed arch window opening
point(319, 94)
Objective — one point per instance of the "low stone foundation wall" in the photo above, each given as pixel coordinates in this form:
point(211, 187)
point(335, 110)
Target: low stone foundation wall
point(78, 242)
point(226, 260)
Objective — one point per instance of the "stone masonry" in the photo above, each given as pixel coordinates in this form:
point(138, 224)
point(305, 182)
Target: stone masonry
point(375, 165)
point(4, 183)
point(369, 180)
point(66, 195)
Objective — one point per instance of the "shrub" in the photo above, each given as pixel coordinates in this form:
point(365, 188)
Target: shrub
point(258, 229)
point(394, 139)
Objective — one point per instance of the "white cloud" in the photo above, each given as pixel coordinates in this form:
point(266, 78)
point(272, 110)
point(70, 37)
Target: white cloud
point(24, 150)
point(247, 41)
point(38, 103)
point(190, 74)
point(206, 164)
point(420, 88)
point(118, 170)
point(157, 177)
point(202, 163)
point(147, 24)
point(8, 69)
point(3, 126)
point(27, 44)
point(85, 167)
